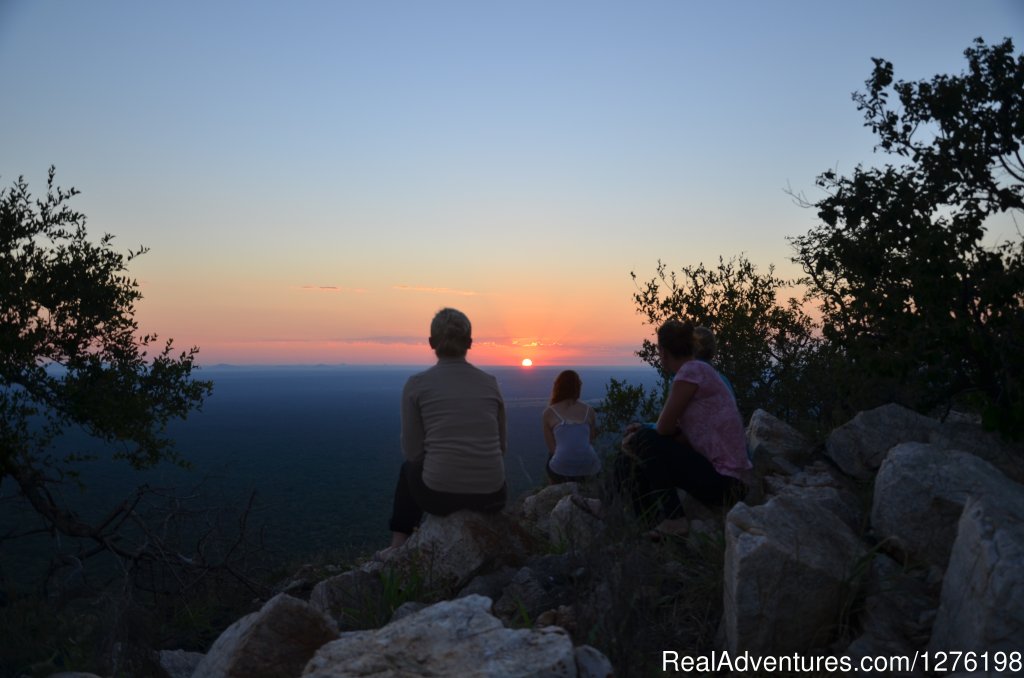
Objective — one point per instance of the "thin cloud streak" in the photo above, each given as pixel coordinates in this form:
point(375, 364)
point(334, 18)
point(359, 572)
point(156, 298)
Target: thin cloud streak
point(331, 288)
point(435, 290)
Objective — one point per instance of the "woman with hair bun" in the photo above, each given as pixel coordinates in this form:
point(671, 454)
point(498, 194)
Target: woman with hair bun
point(569, 431)
point(698, 443)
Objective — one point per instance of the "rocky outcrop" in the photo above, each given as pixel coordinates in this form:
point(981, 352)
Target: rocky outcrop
point(575, 522)
point(898, 612)
point(537, 508)
point(776, 445)
point(545, 583)
point(445, 553)
point(590, 663)
point(354, 600)
point(790, 567)
point(179, 663)
point(818, 484)
point(786, 567)
point(453, 638)
point(275, 642)
point(859, 446)
point(806, 570)
point(982, 604)
point(920, 493)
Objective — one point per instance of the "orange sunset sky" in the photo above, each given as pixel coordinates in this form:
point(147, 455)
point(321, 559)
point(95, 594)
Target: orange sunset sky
point(316, 179)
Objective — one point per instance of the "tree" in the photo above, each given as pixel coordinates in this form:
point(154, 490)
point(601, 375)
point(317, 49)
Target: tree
point(917, 303)
point(763, 347)
point(71, 356)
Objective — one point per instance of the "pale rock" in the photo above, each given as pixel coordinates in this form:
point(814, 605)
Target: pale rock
point(275, 642)
point(179, 663)
point(300, 584)
point(445, 553)
point(787, 563)
point(970, 437)
point(537, 507)
point(452, 638)
point(898, 612)
point(982, 603)
point(407, 608)
point(819, 484)
point(860, 446)
point(769, 437)
point(574, 522)
point(591, 663)
point(920, 492)
point(353, 599)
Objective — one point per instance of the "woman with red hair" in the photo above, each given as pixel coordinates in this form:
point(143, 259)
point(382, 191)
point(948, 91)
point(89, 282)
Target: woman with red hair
point(569, 431)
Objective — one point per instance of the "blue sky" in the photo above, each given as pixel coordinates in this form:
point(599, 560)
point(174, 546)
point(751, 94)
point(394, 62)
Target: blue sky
point(514, 159)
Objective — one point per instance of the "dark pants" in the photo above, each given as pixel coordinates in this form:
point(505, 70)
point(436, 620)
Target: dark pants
point(662, 465)
point(413, 498)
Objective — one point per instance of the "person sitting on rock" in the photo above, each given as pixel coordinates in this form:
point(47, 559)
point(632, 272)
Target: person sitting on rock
point(698, 443)
point(570, 427)
point(454, 434)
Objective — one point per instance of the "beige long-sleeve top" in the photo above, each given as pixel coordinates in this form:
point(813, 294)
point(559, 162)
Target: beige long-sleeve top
point(453, 415)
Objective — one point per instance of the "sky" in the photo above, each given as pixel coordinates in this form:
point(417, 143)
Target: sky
point(316, 179)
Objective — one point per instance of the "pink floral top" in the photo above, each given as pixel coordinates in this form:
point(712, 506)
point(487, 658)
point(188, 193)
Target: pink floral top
point(711, 422)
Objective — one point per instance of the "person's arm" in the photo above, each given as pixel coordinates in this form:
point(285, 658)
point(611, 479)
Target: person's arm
point(679, 397)
point(502, 425)
point(549, 434)
point(412, 424)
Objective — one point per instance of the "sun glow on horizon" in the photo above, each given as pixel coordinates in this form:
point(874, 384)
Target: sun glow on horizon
point(527, 362)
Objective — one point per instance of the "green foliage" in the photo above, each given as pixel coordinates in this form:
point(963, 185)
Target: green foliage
point(910, 294)
point(624, 403)
point(70, 352)
point(400, 588)
point(762, 346)
point(72, 357)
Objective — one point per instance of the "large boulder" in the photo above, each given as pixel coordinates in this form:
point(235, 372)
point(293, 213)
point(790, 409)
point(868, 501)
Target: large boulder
point(820, 484)
point(575, 522)
point(537, 507)
point(179, 663)
point(452, 638)
point(354, 600)
point(591, 663)
point(920, 492)
point(899, 608)
point(956, 433)
point(787, 564)
point(445, 553)
point(275, 642)
point(770, 438)
point(982, 604)
point(859, 446)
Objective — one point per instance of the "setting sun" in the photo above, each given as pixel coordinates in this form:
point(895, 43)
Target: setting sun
point(527, 362)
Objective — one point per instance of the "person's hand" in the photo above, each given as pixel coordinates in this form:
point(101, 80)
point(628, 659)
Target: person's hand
point(633, 427)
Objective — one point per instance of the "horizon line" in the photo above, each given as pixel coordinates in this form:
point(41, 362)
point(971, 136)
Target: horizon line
point(422, 365)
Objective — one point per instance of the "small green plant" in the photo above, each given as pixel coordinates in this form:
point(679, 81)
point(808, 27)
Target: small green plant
point(401, 587)
point(523, 619)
